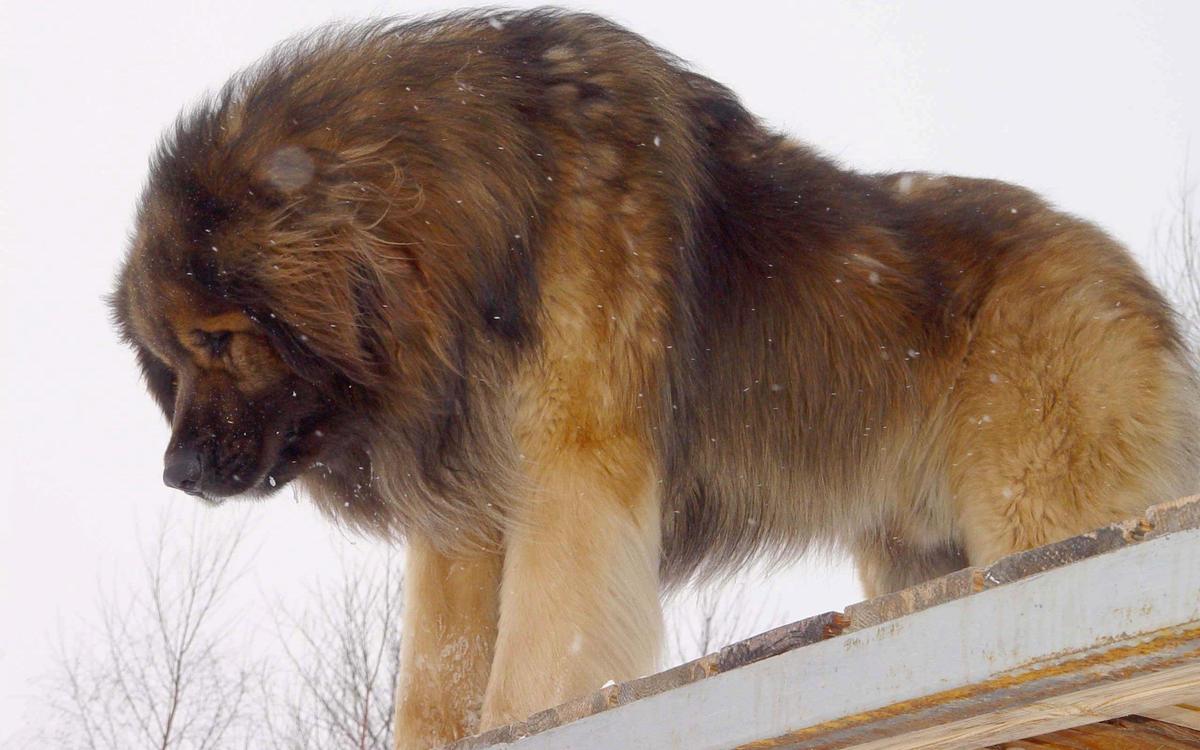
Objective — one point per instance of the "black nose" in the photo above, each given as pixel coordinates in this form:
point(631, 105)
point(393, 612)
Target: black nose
point(182, 470)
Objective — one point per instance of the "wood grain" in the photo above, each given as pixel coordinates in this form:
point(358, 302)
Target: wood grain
point(1129, 733)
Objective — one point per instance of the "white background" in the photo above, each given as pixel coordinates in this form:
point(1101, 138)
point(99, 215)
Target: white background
point(1093, 104)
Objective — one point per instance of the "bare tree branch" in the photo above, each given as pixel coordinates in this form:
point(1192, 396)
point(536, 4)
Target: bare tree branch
point(343, 654)
point(1178, 247)
point(162, 675)
point(714, 617)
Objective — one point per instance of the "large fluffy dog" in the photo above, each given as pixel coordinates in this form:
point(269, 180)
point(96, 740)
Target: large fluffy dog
point(526, 292)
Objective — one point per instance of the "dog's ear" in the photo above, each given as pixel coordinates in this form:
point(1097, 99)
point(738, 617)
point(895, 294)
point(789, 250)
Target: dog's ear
point(332, 263)
point(360, 262)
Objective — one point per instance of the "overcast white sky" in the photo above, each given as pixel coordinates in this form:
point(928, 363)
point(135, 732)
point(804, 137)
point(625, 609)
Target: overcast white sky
point(1092, 103)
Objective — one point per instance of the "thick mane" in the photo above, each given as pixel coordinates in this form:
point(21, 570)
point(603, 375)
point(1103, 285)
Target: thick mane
point(375, 196)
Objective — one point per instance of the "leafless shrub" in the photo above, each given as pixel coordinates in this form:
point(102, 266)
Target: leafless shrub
point(157, 670)
point(343, 654)
point(1178, 248)
point(163, 665)
point(711, 618)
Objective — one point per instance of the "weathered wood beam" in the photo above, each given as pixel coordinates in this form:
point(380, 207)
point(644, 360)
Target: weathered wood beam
point(1053, 641)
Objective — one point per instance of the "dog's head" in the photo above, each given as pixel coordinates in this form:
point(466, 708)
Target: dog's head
point(253, 319)
point(243, 421)
point(306, 259)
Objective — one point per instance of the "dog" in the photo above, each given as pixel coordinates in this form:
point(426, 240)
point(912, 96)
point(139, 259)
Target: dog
point(525, 292)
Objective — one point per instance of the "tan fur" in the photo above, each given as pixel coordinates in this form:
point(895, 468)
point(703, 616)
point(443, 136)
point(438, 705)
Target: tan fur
point(526, 292)
point(449, 631)
point(1069, 412)
point(591, 526)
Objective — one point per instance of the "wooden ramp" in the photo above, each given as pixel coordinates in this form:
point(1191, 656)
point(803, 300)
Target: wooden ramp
point(1092, 643)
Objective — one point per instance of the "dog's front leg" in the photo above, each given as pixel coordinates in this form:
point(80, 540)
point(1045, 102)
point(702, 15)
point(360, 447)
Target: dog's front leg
point(450, 612)
point(579, 598)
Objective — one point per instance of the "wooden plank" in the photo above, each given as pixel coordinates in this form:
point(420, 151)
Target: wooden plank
point(1186, 714)
point(1002, 649)
point(1130, 733)
point(1058, 712)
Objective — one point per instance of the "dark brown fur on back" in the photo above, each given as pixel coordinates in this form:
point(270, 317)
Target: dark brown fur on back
point(412, 214)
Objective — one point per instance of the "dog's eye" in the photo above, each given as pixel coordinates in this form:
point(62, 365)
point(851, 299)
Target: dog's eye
point(216, 343)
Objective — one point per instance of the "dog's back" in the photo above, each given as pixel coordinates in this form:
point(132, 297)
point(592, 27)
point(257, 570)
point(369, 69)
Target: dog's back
point(928, 370)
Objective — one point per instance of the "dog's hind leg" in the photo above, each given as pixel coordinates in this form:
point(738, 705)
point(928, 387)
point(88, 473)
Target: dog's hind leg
point(1076, 406)
point(450, 612)
point(889, 563)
